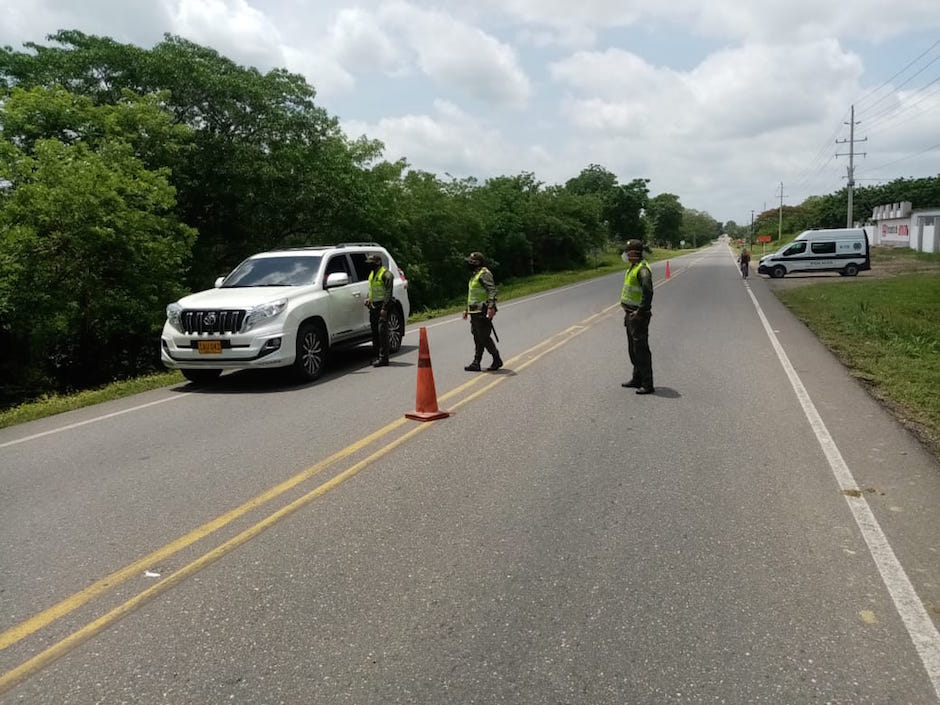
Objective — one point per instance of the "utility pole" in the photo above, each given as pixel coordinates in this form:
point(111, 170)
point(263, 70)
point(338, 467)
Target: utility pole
point(851, 169)
point(780, 215)
point(750, 238)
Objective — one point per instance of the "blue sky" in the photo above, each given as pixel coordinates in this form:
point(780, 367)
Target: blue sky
point(716, 102)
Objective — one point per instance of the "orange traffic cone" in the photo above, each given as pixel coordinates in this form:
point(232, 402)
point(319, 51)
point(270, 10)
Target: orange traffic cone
point(426, 397)
point(667, 269)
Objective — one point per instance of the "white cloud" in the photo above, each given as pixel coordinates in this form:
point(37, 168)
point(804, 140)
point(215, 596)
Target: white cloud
point(322, 71)
point(359, 43)
point(745, 91)
point(456, 55)
point(141, 21)
point(450, 140)
point(401, 39)
point(232, 27)
point(768, 20)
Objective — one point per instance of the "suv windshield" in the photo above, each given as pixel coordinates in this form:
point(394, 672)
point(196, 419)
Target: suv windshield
point(289, 270)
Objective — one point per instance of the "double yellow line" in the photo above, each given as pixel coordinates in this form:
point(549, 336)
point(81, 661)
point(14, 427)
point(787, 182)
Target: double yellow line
point(38, 662)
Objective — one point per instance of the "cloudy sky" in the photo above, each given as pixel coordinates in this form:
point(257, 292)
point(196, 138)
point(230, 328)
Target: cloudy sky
point(716, 101)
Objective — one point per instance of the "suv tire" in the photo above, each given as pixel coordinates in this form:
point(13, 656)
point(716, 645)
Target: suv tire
point(396, 329)
point(311, 352)
point(778, 272)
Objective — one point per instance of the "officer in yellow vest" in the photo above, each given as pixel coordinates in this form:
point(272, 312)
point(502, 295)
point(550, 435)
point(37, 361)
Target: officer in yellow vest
point(378, 302)
point(481, 307)
point(636, 299)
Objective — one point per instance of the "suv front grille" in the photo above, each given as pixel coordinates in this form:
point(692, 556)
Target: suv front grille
point(212, 321)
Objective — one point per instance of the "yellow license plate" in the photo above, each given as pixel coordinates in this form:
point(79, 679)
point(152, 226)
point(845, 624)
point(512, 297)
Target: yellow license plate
point(209, 347)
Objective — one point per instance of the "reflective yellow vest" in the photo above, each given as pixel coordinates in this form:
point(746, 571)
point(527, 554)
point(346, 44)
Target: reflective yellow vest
point(377, 286)
point(476, 293)
point(632, 293)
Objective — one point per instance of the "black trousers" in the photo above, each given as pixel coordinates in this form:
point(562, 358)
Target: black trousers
point(379, 333)
point(638, 345)
point(482, 329)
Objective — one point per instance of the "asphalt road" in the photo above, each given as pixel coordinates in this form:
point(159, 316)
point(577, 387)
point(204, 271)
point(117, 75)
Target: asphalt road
point(758, 531)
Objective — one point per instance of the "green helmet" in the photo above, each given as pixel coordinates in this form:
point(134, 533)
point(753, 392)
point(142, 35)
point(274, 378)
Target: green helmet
point(633, 246)
point(476, 259)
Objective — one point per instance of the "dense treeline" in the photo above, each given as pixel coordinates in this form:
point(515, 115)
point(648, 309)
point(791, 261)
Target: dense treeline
point(129, 176)
point(830, 211)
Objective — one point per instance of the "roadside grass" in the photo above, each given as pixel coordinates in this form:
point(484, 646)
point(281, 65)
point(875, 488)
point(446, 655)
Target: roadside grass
point(52, 404)
point(887, 334)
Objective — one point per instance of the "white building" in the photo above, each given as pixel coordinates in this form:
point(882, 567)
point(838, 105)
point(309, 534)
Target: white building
point(898, 225)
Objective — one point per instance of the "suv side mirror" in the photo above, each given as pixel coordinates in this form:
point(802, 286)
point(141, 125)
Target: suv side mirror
point(218, 282)
point(336, 279)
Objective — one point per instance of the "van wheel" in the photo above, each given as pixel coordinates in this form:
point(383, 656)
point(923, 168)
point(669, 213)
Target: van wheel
point(778, 272)
point(851, 270)
point(396, 329)
point(311, 352)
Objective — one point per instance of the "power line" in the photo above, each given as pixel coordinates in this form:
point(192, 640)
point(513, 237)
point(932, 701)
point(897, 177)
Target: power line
point(914, 61)
point(910, 156)
point(886, 120)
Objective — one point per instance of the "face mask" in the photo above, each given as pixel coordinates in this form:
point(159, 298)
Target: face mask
point(625, 257)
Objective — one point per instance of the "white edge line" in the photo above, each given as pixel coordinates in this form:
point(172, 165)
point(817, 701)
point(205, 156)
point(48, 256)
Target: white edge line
point(95, 419)
point(919, 625)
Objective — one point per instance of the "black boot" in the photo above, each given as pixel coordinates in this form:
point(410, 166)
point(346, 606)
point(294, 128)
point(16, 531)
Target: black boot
point(473, 366)
point(497, 363)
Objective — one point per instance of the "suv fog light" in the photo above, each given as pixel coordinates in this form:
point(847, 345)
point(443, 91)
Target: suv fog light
point(271, 345)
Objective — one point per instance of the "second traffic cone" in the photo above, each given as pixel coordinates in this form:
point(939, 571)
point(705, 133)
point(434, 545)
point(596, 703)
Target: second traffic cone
point(667, 269)
point(426, 396)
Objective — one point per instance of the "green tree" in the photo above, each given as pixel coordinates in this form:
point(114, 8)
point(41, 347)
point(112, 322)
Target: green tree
point(89, 256)
point(625, 210)
point(266, 166)
point(664, 215)
point(622, 205)
point(698, 227)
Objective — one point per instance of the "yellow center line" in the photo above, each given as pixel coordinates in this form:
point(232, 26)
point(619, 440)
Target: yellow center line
point(24, 629)
point(73, 602)
point(38, 621)
point(60, 648)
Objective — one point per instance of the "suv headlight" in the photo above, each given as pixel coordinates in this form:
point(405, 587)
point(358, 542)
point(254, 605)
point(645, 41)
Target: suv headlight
point(173, 312)
point(259, 314)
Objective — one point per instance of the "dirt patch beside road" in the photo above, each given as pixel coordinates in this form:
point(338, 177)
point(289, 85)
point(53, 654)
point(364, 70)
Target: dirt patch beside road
point(885, 262)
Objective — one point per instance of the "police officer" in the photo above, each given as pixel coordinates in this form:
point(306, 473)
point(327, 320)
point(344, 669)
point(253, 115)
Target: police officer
point(636, 299)
point(481, 307)
point(378, 302)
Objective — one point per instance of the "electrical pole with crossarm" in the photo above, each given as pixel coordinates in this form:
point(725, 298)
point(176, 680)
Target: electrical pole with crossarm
point(851, 169)
point(780, 215)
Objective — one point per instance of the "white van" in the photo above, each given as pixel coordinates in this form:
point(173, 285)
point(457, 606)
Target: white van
point(842, 250)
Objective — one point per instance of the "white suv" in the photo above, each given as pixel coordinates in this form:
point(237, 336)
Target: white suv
point(280, 308)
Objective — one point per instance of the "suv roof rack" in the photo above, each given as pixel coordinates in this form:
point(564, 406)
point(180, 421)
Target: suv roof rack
point(358, 244)
point(300, 248)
